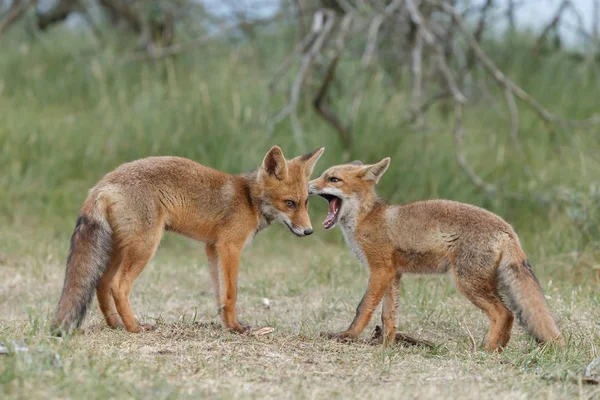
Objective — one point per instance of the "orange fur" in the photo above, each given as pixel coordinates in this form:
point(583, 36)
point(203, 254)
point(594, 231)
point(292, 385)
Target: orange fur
point(125, 214)
point(478, 248)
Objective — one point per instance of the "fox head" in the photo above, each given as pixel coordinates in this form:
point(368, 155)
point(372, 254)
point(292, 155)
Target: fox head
point(346, 187)
point(284, 188)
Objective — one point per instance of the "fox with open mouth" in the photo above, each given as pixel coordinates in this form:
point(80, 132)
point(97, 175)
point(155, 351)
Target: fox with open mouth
point(478, 248)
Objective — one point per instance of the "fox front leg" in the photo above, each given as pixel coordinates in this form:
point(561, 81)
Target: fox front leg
point(229, 257)
point(379, 281)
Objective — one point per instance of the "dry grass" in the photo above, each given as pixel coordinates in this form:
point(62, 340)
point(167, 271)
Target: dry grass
point(312, 287)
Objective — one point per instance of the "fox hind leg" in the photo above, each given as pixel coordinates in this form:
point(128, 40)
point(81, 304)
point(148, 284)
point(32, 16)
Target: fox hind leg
point(136, 254)
point(486, 297)
point(506, 333)
point(104, 293)
point(213, 263)
point(389, 311)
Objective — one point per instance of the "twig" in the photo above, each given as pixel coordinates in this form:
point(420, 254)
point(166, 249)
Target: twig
point(322, 23)
point(125, 12)
point(423, 108)
point(319, 100)
point(371, 40)
point(503, 80)
point(552, 25)
point(374, 31)
point(157, 53)
point(596, 24)
point(510, 14)
point(591, 366)
point(479, 31)
point(429, 38)
point(514, 118)
point(417, 77)
point(287, 61)
point(16, 11)
point(460, 157)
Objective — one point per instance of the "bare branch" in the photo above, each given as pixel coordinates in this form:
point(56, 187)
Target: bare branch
point(58, 13)
point(552, 25)
point(596, 25)
point(16, 11)
point(319, 100)
point(122, 10)
point(417, 76)
point(503, 80)
point(591, 367)
point(430, 39)
point(301, 47)
point(371, 40)
point(322, 23)
point(154, 53)
point(423, 108)
point(460, 156)
point(514, 117)
point(374, 31)
point(479, 31)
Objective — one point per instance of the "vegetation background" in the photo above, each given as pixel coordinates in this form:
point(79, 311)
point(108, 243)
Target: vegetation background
point(80, 97)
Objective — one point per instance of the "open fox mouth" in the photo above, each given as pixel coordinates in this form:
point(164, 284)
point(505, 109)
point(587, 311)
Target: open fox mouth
point(335, 203)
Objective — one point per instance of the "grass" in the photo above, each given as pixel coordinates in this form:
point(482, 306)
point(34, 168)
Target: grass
point(71, 112)
point(187, 357)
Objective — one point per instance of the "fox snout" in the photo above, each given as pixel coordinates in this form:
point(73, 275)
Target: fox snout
point(299, 230)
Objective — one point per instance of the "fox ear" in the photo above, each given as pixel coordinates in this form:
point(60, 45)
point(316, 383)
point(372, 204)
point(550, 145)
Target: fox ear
point(374, 172)
point(274, 163)
point(310, 160)
point(356, 162)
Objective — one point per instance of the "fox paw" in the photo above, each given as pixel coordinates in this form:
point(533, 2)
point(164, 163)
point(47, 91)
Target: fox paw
point(378, 338)
point(344, 337)
point(146, 327)
point(241, 328)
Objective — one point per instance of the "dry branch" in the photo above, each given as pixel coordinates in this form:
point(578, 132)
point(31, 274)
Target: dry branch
point(15, 12)
point(552, 25)
point(123, 11)
point(371, 46)
point(58, 13)
point(459, 132)
point(504, 81)
point(417, 76)
point(479, 31)
point(430, 39)
point(319, 101)
point(153, 53)
point(301, 48)
point(323, 22)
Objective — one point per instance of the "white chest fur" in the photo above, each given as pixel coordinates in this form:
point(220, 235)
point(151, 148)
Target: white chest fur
point(349, 229)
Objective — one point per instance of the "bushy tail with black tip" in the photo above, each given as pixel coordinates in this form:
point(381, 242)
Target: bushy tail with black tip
point(89, 256)
point(523, 295)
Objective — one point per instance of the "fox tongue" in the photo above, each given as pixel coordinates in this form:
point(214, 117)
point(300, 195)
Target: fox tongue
point(333, 209)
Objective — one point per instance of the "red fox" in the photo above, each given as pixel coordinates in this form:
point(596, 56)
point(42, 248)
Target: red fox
point(478, 248)
point(123, 219)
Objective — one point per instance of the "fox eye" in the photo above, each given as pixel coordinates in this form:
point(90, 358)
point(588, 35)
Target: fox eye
point(334, 179)
point(290, 204)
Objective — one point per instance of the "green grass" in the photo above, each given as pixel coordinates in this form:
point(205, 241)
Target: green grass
point(71, 111)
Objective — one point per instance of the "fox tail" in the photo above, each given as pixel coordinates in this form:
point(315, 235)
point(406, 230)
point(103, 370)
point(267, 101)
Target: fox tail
point(89, 256)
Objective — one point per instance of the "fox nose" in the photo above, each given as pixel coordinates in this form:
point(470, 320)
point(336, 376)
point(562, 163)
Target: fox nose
point(308, 231)
point(311, 187)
